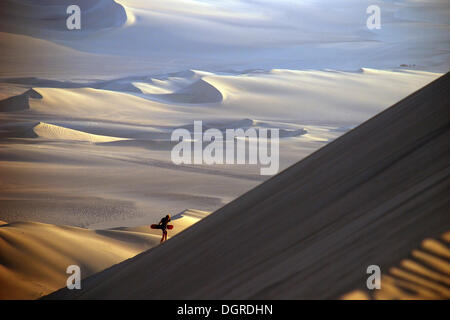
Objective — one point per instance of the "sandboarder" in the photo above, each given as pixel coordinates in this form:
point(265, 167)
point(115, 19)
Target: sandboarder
point(163, 225)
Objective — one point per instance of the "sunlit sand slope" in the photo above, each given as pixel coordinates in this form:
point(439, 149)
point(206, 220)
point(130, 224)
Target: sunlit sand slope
point(424, 274)
point(34, 256)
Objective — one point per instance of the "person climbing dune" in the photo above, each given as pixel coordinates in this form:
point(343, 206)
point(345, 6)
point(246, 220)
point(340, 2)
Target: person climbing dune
point(163, 226)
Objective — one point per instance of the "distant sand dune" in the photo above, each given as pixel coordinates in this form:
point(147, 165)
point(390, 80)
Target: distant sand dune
point(78, 126)
point(50, 131)
point(199, 92)
point(191, 87)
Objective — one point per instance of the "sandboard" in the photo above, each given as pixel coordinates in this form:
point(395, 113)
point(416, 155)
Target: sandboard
point(157, 226)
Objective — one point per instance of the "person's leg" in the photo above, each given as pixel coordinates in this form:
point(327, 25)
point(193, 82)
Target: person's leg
point(162, 239)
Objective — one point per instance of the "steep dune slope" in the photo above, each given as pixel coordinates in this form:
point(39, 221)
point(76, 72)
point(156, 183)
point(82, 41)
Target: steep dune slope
point(369, 197)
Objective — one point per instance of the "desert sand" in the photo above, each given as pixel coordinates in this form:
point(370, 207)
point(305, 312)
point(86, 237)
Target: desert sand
point(34, 256)
point(424, 274)
point(86, 118)
point(136, 37)
point(98, 154)
point(369, 197)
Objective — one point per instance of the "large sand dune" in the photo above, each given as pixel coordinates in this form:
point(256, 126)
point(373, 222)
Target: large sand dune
point(369, 197)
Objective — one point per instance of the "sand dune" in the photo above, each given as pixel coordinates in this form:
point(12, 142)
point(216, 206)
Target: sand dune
point(50, 131)
point(91, 104)
point(34, 256)
point(229, 96)
point(46, 131)
point(369, 197)
point(126, 176)
point(86, 118)
point(199, 92)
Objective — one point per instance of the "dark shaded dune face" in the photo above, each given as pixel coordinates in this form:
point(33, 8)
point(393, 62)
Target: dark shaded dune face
point(47, 19)
point(121, 86)
point(112, 85)
point(18, 130)
point(16, 103)
point(38, 82)
point(33, 94)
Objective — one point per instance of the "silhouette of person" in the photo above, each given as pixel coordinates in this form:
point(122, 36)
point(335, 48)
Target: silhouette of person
point(163, 225)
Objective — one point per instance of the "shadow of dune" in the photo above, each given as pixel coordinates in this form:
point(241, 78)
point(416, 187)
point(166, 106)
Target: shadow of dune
point(20, 102)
